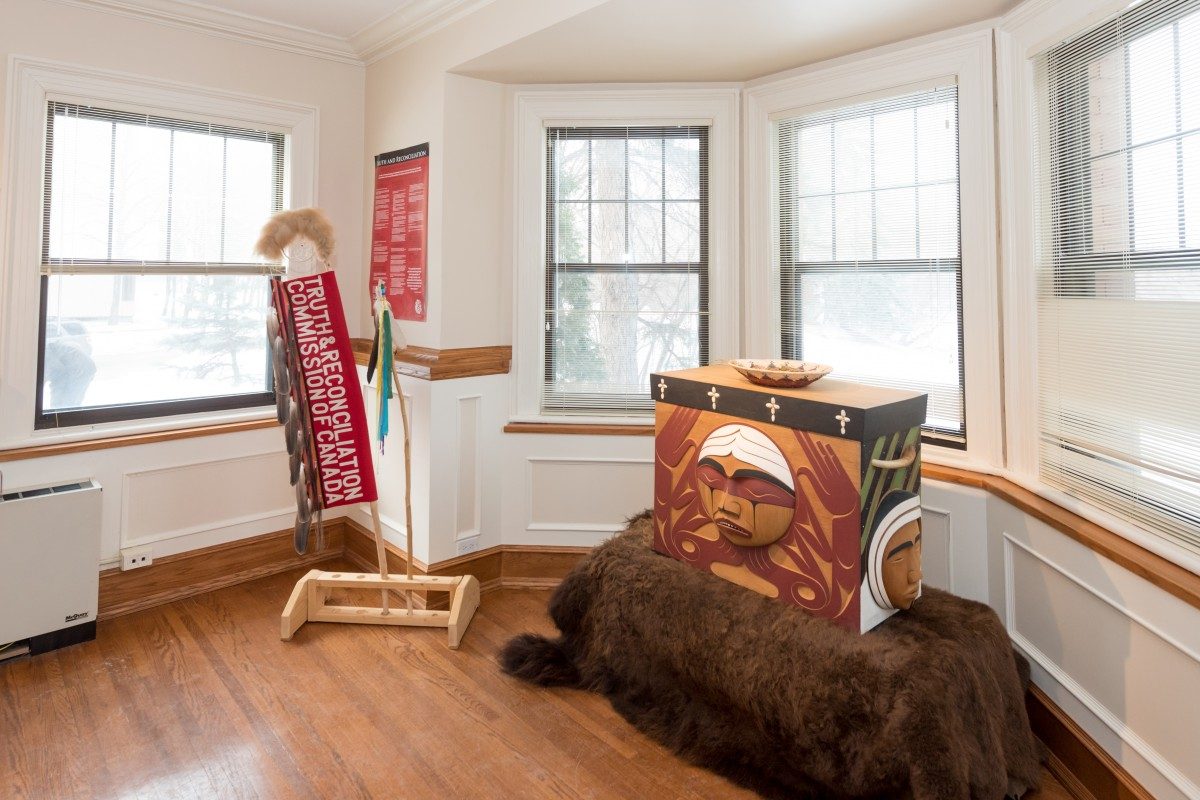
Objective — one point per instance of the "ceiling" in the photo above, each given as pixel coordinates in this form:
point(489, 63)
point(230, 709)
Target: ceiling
point(613, 41)
point(715, 40)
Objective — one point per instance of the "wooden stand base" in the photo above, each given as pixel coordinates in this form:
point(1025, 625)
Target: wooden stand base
point(307, 603)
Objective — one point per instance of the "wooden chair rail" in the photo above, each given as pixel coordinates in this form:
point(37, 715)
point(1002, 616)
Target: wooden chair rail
point(132, 439)
point(1168, 576)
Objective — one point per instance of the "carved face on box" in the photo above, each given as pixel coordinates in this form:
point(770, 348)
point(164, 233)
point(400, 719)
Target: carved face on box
point(746, 485)
point(806, 496)
point(769, 508)
point(892, 560)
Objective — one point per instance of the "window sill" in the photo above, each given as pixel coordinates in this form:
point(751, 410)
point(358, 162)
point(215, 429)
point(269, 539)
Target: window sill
point(80, 443)
point(581, 429)
point(1154, 568)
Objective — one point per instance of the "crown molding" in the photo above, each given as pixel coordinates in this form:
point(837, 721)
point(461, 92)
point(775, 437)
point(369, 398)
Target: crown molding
point(228, 25)
point(414, 20)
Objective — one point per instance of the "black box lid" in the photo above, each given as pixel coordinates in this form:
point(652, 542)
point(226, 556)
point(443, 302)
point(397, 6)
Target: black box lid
point(828, 406)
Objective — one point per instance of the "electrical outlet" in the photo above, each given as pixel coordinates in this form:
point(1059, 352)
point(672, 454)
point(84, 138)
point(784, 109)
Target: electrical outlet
point(136, 557)
point(468, 544)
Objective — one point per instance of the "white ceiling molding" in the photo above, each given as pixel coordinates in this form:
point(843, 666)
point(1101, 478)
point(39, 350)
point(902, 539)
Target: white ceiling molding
point(228, 25)
point(412, 21)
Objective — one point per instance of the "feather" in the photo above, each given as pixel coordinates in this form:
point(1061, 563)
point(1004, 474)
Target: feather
point(283, 228)
point(303, 504)
point(289, 427)
point(300, 537)
point(374, 359)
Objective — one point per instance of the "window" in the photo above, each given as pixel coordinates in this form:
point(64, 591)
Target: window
point(868, 233)
point(1118, 268)
point(151, 297)
point(626, 263)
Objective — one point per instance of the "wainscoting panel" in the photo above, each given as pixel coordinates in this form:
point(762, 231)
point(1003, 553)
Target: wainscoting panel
point(469, 496)
point(586, 494)
point(1128, 667)
point(955, 534)
point(170, 502)
point(937, 529)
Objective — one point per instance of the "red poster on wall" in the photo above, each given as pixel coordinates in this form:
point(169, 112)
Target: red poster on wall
point(400, 229)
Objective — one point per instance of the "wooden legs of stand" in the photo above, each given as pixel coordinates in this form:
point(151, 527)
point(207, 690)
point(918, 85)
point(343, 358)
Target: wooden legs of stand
point(380, 552)
point(309, 598)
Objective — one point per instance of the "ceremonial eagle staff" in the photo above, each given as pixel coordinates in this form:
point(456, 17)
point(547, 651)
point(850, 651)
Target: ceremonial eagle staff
point(320, 403)
point(305, 237)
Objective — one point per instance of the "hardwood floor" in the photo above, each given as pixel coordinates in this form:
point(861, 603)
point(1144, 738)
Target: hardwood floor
point(200, 699)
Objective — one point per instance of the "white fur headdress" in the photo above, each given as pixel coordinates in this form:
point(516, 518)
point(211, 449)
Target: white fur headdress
point(286, 226)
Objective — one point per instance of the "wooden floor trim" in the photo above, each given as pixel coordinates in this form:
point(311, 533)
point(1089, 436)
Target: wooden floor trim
point(503, 566)
point(1079, 763)
point(535, 566)
point(1168, 576)
point(579, 429)
point(133, 439)
point(198, 571)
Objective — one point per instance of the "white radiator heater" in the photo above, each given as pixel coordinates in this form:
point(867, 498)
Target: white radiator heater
point(49, 565)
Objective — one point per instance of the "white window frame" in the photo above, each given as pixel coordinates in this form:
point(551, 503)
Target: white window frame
point(966, 58)
point(34, 82)
point(1024, 33)
point(537, 109)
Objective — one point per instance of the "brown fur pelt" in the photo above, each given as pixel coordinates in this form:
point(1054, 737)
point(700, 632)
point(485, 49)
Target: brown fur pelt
point(286, 226)
point(929, 705)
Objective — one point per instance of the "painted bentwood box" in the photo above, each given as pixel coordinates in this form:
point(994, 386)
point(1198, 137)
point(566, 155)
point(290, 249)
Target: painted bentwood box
point(809, 496)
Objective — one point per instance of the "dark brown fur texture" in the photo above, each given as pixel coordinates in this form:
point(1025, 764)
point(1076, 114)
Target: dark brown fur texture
point(929, 705)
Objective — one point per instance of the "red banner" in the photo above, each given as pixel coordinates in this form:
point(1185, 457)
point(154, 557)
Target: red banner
point(325, 381)
point(400, 229)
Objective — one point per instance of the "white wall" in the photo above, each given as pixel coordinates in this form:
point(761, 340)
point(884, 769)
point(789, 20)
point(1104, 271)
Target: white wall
point(457, 467)
point(412, 96)
point(462, 489)
point(1118, 654)
point(191, 493)
point(573, 490)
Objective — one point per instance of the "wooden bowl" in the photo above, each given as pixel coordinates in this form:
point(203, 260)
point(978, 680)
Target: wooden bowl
point(780, 372)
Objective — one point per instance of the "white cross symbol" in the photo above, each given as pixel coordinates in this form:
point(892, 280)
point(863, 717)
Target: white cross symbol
point(714, 394)
point(773, 406)
point(842, 418)
point(662, 389)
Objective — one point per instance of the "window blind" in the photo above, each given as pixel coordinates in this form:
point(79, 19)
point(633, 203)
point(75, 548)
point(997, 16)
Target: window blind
point(868, 230)
point(1118, 264)
point(151, 296)
point(626, 263)
point(131, 193)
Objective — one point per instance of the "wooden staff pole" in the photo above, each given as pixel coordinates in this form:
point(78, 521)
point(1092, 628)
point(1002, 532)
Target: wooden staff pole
point(408, 523)
point(380, 552)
